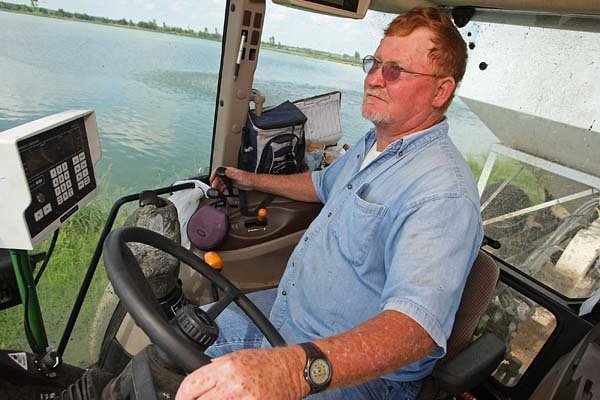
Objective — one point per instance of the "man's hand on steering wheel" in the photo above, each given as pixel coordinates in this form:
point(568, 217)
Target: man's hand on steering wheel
point(262, 374)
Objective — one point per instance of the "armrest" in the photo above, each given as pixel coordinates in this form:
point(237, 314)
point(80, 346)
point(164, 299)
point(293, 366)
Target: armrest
point(469, 367)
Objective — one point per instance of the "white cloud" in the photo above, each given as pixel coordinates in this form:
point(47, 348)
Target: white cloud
point(150, 6)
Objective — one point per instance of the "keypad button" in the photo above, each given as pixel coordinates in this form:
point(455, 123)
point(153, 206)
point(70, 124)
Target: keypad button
point(81, 156)
point(68, 183)
point(64, 165)
point(39, 214)
point(59, 200)
point(59, 169)
point(67, 175)
point(57, 191)
point(47, 209)
point(55, 182)
point(70, 192)
point(75, 159)
point(79, 176)
point(86, 181)
point(53, 173)
point(65, 196)
point(84, 164)
point(77, 168)
point(80, 185)
point(85, 172)
point(63, 187)
point(61, 178)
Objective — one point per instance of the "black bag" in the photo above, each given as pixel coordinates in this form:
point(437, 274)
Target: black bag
point(274, 143)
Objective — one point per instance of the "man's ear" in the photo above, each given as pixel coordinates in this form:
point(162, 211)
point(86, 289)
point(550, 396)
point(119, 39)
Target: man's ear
point(445, 89)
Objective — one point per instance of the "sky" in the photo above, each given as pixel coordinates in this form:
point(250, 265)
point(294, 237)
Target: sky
point(288, 26)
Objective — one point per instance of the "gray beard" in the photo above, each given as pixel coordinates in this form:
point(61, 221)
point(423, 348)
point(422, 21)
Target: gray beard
point(377, 118)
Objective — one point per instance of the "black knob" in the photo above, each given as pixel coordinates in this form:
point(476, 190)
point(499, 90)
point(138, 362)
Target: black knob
point(51, 360)
point(197, 325)
point(212, 193)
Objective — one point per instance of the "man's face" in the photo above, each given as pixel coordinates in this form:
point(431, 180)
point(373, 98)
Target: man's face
point(408, 101)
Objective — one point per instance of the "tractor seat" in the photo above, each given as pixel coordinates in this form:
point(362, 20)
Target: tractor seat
point(467, 363)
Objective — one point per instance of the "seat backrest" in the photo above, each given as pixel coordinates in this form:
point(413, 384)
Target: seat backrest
point(478, 292)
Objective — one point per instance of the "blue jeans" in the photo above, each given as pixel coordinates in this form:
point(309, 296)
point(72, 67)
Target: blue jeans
point(237, 332)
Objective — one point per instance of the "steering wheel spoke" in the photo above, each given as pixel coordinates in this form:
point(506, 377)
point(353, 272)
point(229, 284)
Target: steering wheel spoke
point(218, 307)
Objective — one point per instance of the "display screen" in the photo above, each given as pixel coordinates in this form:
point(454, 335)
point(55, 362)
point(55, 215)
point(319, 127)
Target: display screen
point(348, 5)
point(46, 152)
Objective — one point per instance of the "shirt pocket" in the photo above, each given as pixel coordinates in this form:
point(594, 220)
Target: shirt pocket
point(357, 227)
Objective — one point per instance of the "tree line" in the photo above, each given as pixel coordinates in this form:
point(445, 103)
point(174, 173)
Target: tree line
point(149, 25)
point(154, 26)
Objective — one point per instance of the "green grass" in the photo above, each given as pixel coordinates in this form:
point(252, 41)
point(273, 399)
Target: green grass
point(59, 287)
point(503, 168)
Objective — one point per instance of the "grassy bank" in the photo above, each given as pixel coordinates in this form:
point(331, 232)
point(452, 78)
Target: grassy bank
point(60, 284)
point(503, 168)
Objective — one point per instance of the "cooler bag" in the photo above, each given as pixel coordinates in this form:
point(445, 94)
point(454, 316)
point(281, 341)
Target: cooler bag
point(274, 143)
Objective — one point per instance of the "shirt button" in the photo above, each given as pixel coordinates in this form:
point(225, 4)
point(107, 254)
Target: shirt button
point(358, 156)
point(306, 239)
point(328, 215)
point(284, 293)
point(349, 186)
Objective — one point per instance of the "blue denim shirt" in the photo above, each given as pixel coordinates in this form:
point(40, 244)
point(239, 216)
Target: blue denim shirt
point(399, 235)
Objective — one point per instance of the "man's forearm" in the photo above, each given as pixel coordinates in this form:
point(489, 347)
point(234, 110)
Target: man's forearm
point(296, 186)
point(375, 348)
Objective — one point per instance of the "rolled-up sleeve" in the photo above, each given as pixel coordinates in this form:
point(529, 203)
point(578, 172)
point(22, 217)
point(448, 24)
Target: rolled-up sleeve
point(324, 179)
point(428, 257)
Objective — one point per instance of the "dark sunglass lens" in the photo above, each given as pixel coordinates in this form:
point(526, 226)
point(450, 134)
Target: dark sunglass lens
point(391, 71)
point(368, 63)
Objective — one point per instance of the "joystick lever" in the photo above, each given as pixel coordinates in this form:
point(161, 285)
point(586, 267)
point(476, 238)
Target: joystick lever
point(220, 172)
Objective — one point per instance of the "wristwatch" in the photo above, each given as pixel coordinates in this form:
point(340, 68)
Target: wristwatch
point(318, 371)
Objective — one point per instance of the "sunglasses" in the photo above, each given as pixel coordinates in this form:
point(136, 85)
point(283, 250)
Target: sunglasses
point(390, 70)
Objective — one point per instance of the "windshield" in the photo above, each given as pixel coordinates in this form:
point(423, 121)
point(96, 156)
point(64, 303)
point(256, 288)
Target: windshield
point(151, 77)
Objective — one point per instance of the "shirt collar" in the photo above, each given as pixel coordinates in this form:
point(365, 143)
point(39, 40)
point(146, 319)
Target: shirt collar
point(413, 141)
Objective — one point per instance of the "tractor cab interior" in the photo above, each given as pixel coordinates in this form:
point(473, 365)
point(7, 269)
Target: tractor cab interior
point(527, 323)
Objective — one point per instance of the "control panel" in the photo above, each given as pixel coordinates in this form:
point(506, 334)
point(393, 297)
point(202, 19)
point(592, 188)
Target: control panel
point(46, 175)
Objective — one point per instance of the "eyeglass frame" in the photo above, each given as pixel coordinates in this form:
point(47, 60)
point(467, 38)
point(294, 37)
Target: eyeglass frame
point(375, 61)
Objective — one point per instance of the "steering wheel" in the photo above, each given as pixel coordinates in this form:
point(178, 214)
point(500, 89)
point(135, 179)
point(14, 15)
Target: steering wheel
point(135, 293)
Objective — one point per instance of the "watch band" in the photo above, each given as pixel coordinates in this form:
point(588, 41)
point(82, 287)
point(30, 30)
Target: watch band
point(314, 354)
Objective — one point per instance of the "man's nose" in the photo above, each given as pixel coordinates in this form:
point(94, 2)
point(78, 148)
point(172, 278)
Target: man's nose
point(375, 78)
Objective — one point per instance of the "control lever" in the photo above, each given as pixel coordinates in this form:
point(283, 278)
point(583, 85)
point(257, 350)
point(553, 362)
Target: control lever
point(213, 193)
point(220, 172)
point(488, 241)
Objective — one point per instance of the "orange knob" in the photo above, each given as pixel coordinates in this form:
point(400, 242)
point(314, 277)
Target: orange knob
point(213, 259)
point(262, 215)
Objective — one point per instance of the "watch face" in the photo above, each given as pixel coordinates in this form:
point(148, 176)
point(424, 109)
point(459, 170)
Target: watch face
point(319, 371)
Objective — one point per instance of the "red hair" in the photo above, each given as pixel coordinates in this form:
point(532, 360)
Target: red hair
point(449, 53)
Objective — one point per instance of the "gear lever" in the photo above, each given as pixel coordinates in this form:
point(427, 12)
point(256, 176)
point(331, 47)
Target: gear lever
point(220, 172)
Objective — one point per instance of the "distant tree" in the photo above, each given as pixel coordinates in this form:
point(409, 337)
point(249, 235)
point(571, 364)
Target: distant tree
point(272, 40)
point(357, 55)
point(205, 30)
point(34, 4)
